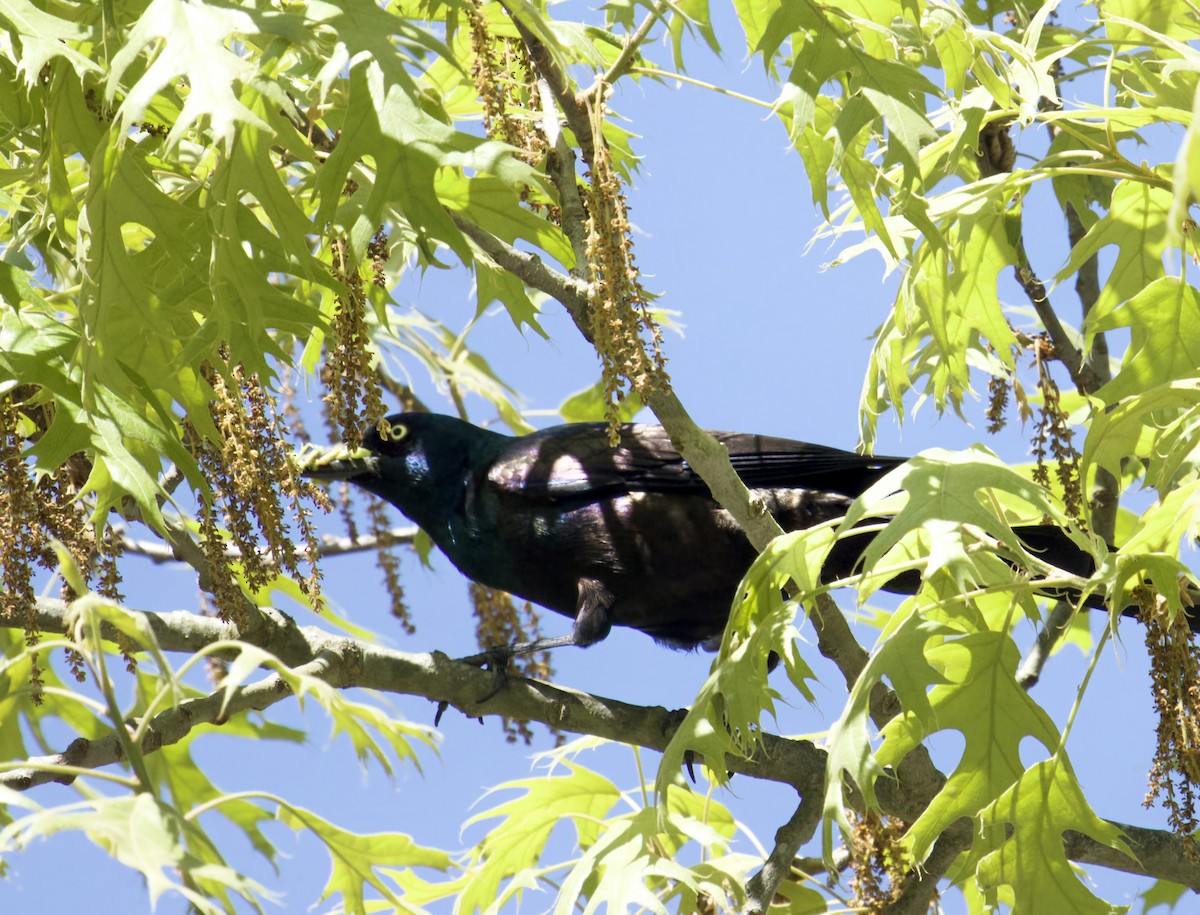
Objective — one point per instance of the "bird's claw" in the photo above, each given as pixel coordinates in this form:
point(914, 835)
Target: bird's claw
point(671, 722)
point(441, 710)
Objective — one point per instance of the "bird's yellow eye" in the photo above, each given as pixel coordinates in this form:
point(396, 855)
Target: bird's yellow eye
point(391, 432)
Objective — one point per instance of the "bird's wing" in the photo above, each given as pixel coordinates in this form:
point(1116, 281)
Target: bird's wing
point(576, 461)
point(764, 462)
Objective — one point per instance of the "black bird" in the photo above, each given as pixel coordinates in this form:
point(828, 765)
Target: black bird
point(624, 535)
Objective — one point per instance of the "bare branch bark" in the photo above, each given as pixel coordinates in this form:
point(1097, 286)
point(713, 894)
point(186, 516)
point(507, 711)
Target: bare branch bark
point(572, 293)
point(1065, 349)
point(922, 887)
point(761, 888)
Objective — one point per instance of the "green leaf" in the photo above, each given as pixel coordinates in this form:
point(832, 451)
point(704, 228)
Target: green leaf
point(514, 846)
point(636, 863)
point(126, 448)
point(849, 743)
point(187, 43)
point(363, 724)
point(1156, 425)
point(44, 36)
point(1044, 802)
point(1164, 320)
point(945, 493)
point(976, 693)
point(356, 857)
point(1136, 222)
point(141, 833)
point(495, 205)
point(1133, 21)
point(589, 406)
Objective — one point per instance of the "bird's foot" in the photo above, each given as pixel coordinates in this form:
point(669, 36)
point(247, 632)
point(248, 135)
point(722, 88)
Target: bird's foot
point(495, 659)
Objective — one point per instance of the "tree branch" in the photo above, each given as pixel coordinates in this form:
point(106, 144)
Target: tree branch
point(1105, 492)
point(561, 166)
point(574, 294)
point(345, 662)
point(922, 887)
point(574, 108)
point(170, 726)
point(629, 51)
point(761, 888)
point(160, 554)
point(1064, 347)
point(1096, 372)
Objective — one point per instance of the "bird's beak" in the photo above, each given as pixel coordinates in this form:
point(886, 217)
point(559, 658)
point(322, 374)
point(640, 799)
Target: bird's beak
point(337, 463)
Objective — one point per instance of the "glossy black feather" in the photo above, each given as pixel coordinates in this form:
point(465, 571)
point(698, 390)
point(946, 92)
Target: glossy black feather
point(625, 535)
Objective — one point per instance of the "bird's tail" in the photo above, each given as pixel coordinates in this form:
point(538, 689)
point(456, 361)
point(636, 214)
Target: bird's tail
point(1047, 542)
point(1054, 546)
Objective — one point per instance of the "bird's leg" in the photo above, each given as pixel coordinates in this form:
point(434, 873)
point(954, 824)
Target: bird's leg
point(592, 623)
point(497, 657)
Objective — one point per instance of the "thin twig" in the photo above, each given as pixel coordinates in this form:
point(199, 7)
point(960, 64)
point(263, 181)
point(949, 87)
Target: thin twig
point(1048, 635)
point(624, 60)
point(701, 84)
point(561, 166)
point(166, 728)
point(1064, 347)
point(159, 553)
point(1094, 372)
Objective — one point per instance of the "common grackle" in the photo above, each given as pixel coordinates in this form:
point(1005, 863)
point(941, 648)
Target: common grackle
point(614, 536)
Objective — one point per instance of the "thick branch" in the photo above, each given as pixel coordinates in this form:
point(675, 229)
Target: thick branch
point(346, 662)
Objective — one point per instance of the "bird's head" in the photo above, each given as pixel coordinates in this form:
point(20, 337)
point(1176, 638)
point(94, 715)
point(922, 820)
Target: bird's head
point(417, 461)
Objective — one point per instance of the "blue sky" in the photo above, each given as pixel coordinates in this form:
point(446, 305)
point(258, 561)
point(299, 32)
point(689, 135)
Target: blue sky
point(772, 342)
